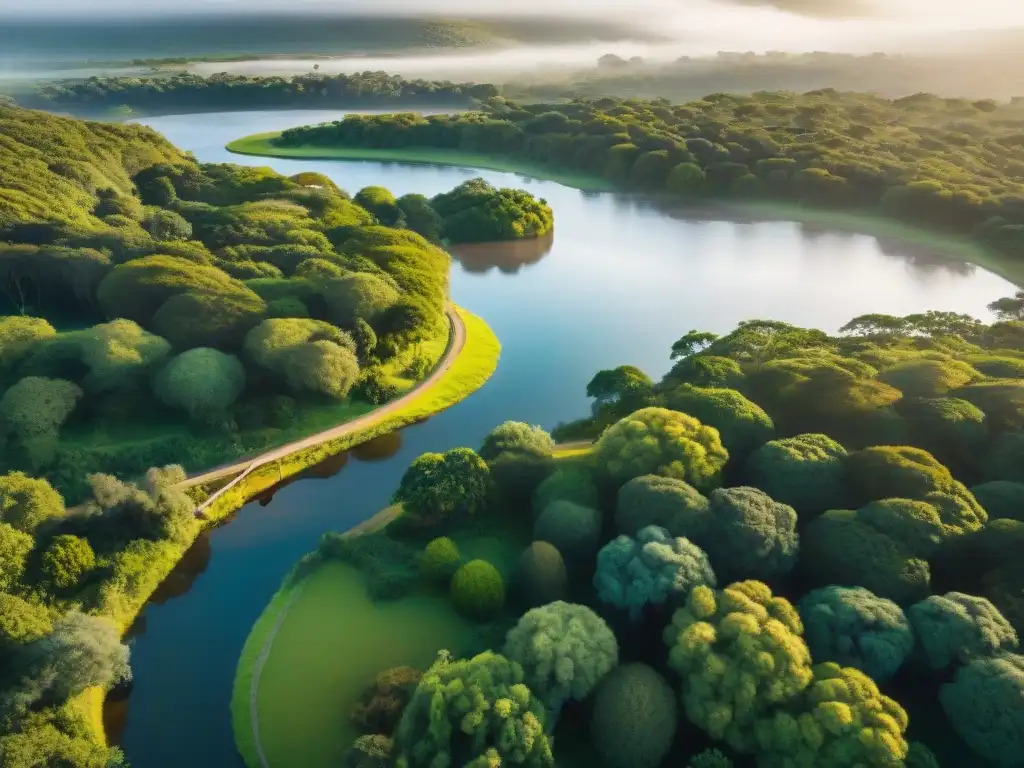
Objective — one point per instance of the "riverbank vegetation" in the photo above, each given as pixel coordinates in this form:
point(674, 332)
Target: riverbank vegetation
point(794, 549)
point(947, 164)
point(158, 310)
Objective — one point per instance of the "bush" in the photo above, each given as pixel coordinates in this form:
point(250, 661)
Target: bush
point(28, 502)
point(386, 563)
point(437, 486)
point(67, 561)
point(540, 576)
point(806, 472)
point(635, 718)
point(571, 484)
point(928, 378)
point(564, 649)
point(657, 441)
point(983, 704)
point(359, 296)
point(473, 712)
point(651, 569)
point(740, 655)
point(896, 472)
point(202, 381)
point(380, 707)
point(749, 534)
point(440, 560)
point(21, 622)
point(958, 627)
point(477, 590)
point(951, 428)
point(35, 408)
point(19, 336)
point(741, 423)
point(14, 549)
point(369, 751)
point(855, 628)
point(519, 455)
point(1001, 499)
point(671, 504)
point(572, 529)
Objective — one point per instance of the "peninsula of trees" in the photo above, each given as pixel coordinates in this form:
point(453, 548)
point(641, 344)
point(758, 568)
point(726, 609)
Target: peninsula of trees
point(948, 164)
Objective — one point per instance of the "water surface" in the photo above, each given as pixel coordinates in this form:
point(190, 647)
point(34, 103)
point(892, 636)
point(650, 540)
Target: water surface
point(617, 283)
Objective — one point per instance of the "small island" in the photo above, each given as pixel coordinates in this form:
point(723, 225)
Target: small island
point(795, 549)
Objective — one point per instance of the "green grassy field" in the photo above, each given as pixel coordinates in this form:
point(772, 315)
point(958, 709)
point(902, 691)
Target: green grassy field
point(260, 144)
point(332, 643)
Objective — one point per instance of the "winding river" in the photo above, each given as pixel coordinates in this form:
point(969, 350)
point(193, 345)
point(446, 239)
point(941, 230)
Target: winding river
point(617, 283)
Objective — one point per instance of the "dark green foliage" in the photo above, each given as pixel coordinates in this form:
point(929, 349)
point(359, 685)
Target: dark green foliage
point(710, 758)
point(959, 627)
point(153, 509)
point(21, 622)
point(478, 591)
point(380, 707)
point(952, 429)
point(388, 566)
point(437, 486)
point(1005, 458)
point(27, 502)
point(202, 381)
point(749, 535)
point(855, 628)
point(439, 560)
point(382, 204)
point(359, 296)
point(928, 378)
point(477, 212)
point(625, 389)
point(540, 576)
point(571, 528)
point(67, 561)
point(805, 472)
point(885, 472)
point(421, 217)
point(705, 371)
point(573, 484)
point(663, 501)
point(15, 546)
point(634, 720)
point(209, 319)
point(1002, 401)
point(1001, 499)
point(741, 424)
point(983, 705)
point(519, 456)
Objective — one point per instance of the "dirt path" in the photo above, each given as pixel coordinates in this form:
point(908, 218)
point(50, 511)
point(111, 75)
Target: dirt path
point(456, 343)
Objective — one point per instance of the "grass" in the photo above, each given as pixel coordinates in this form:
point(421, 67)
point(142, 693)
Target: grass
point(261, 144)
point(331, 644)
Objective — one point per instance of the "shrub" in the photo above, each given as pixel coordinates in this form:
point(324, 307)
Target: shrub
point(19, 336)
point(369, 751)
point(749, 534)
point(983, 704)
point(118, 354)
point(841, 719)
point(380, 707)
point(1001, 499)
point(740, 655)
point(202, 381)
point(519, 455)
point(478, 591)
point(671, 504)
point(959, 627)
point(634, 720)
point(320, 366)
point(67, 561)
point(657, 441)
point(806, 472)
point(387, 564)
point(15, 546)
point(473, 712)
point(741, 423)
point(896, 472)
point(573, 530)
point(35, 408)
point(540, 576)
point(575, 485)
point(27, 502)
point(928, 378)
point(855, 628)
point(358, 295)
point(564, 649)
point(440, 560)
point(437, 486)
point(651, 569)
point(21, 622)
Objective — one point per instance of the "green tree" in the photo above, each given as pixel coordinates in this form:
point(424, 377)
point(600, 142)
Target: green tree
point(635, 717)
point(520, 456)
point(805, 471)
point(573, 484)
point(742, 424)
point(118, 355)
point(421, 217)
point(478, 591)
point(440, 560)
point(982, 704)
point(626, 386)
point(382, 204)
point(67, 561)
point(959, 627)
point(671, 504)
point(34, 410)
point(437, 486)
point(691, 343)
point(168, 225)
point(750, 535)
point(473, 712)
point(359, 296)
point(540, 576)
point(572, 528)
point(564, 649)
point(19, 336)
point(21, 622)
point(27, 502)
point(202, 381)
point(15, 546)
point(209, 319)
point(1001, 499)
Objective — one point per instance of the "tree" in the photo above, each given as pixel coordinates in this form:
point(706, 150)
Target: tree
point(567, 484)
point(1001, 499)
point(671, 504)
point(692, 343)
point(564, 649)
point(67, 561)
point(710, 758)
point(896, 472)
point(651, 569)
point(321, 366)
point(1009, 308)
point(958, 627)
point(740, 655)
point(687, 180)
point(364, 337)
point(477, 590)
point(473, 712)
point(634, 718)
point(749, 534)
point(928, 378)
point(359, 296)
point(118, 354)
point(520, 456)
point(15, 546)
point(437, 486)
point(440, 560)
point(34, 409)
point(420, 216)
point(19, 336)
point(855, 628)
point(657, 441)
point(209, 319)
point(369, 751)
point(741, 423)
point(840, 719)
point(540, 576)
point(380, 707)
point(805, 471)
point(21, 622)
point(983, 705)
point(28, 502)
point(381, 203)
point(626, 386)
point(168, 225)
point(201, 381)
point(952, 429)
point(573, 529)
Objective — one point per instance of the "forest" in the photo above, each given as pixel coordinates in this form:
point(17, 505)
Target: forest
point(796, 549)
point(157, 311)
point(946, 164)
point(225, 92)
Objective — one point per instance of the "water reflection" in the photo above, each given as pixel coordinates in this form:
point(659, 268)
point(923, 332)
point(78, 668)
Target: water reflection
point(508, 257)
point(379, 449)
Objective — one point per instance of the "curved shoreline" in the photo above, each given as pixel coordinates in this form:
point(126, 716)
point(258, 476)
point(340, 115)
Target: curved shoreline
point(949, 246)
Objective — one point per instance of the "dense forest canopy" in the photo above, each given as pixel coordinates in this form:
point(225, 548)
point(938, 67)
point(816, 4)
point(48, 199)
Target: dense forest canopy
point(138, 286)
point(950, 164)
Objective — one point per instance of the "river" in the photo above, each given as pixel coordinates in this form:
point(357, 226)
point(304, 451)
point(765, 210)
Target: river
point(617, 283)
